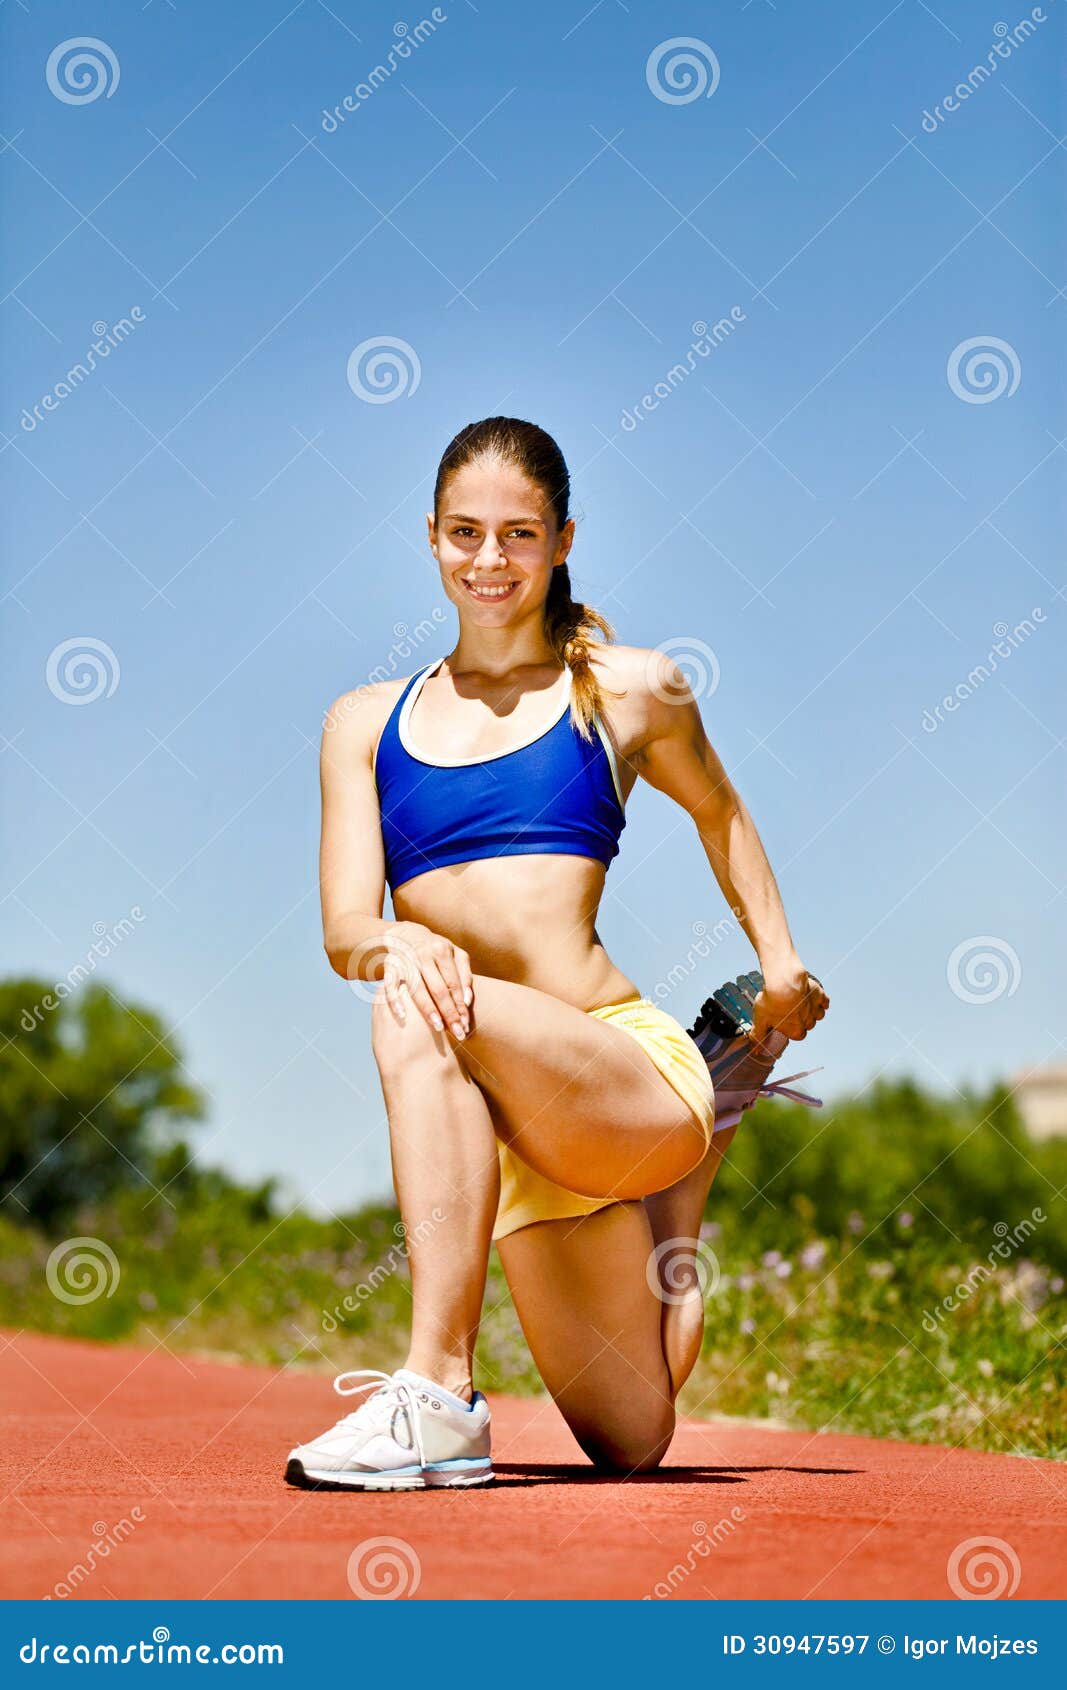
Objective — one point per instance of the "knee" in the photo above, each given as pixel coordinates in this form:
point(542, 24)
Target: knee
point(400, 1047)
point(629, 1451)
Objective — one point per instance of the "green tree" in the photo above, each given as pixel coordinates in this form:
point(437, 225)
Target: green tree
point(91, 1091)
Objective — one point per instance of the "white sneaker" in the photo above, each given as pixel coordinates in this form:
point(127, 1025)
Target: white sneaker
point(409, 1434)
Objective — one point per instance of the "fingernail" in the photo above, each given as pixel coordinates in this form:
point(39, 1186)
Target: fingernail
point(457, 1030)
point(467, 994)
point(438, 1024)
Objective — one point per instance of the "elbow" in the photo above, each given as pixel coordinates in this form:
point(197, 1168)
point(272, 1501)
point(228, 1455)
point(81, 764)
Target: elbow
point(341, 954)
point(337, 957)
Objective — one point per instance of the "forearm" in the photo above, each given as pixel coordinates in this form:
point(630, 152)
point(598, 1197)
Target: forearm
point(355, 944)
point(739, 863)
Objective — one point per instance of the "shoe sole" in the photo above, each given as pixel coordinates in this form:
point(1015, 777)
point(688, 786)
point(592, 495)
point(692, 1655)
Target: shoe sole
point(430, 1479)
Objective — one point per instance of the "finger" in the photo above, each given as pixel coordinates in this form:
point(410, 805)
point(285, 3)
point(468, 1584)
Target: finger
point(444, 1005)
point(446, 966)
point(391, 985)
point(425, 1004)
point(466, 975)
point(760, 1025)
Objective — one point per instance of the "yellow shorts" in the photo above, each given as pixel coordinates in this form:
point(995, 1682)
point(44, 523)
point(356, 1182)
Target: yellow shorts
point(526, 1196)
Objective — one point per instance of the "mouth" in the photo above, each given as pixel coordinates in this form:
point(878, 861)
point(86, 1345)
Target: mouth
point(486, 592)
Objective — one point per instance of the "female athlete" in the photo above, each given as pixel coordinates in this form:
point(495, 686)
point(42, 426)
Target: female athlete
point(534, 1097)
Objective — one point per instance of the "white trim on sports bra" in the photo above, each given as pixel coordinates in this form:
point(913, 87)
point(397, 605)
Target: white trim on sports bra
point(612, 764)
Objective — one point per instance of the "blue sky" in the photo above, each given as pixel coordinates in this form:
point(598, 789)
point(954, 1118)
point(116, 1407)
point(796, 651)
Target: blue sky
point(818, 503)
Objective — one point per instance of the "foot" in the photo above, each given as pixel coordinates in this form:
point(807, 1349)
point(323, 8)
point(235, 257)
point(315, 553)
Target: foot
point(740, 1067)
point(408, 1434)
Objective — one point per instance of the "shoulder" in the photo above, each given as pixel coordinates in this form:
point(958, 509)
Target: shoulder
point(646, 699)
point(647, 678)
point(354, 721)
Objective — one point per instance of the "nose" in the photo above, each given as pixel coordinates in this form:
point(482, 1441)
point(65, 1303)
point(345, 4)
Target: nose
point(490, 555)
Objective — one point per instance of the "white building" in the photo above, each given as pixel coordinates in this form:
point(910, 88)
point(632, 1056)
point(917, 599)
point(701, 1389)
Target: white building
point(1040, 1095)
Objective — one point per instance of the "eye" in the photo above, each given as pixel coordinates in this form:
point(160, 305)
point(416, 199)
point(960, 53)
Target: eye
point(463, 533)
point(523, 534)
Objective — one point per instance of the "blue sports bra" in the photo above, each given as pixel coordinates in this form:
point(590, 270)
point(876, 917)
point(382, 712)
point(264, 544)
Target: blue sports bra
point(558, 794)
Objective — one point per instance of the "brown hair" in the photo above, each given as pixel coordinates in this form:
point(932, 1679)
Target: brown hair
point(570, 626)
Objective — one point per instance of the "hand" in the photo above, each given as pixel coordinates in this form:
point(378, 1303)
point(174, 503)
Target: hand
point(792, 1002)
point(434, 972)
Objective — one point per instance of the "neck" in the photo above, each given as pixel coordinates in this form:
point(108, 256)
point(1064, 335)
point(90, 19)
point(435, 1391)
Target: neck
point(498, 651)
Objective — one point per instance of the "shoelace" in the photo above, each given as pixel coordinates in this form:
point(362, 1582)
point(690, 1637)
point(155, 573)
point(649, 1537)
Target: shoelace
point(389, 1393)
point(784, 1088)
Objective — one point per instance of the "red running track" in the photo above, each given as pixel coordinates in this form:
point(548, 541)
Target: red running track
point(174, 1466)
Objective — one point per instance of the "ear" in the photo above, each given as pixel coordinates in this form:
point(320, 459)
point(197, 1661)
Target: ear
point(431, 532)
point(565, 541)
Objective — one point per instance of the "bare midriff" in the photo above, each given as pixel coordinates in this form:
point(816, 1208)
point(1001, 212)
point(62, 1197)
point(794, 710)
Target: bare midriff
point(528, 919)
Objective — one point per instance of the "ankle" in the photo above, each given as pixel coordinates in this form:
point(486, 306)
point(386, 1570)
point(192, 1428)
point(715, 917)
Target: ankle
point(450, 1373)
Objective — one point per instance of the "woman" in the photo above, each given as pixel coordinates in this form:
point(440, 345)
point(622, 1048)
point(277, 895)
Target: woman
point(533, 1096)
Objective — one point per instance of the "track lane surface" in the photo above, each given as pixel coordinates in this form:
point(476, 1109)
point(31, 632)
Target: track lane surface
point(92, 1432)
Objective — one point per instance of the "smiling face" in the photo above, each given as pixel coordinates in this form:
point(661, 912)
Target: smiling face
point(496, 540)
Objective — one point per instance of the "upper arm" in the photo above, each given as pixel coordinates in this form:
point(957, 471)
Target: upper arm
point(675, 755)
point(351, 857)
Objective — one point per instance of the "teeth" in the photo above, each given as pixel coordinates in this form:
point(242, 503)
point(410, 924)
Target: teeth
point(490, 592)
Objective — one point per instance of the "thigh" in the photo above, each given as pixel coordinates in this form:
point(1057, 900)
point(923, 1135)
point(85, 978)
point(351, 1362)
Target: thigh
point(593, 1324)
point(577, 1098)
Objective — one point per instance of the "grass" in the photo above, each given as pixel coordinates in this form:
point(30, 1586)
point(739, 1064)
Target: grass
point(900, 1331)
